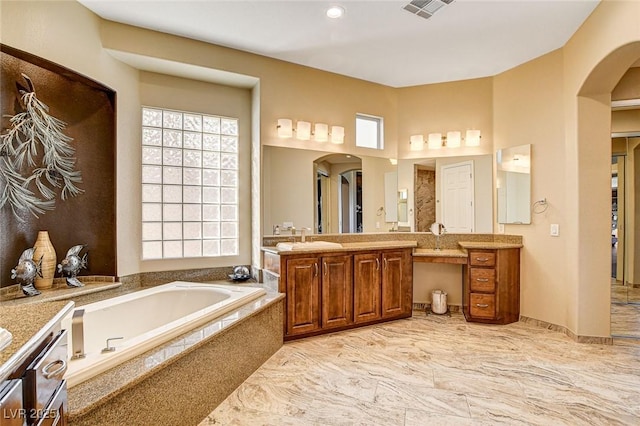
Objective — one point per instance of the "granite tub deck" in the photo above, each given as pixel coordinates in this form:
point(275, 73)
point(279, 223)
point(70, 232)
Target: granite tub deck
point(181, 381)
point(26, 323)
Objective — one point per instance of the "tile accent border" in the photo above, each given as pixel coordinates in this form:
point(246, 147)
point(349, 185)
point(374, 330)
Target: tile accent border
point(561, 329)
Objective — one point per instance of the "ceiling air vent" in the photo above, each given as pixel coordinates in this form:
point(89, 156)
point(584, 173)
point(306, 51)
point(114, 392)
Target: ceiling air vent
point(426, 8)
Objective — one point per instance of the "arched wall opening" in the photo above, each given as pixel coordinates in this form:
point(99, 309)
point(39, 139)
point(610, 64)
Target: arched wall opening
point(593, 149)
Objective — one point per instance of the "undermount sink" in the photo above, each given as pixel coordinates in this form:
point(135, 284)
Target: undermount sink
point(308, 245)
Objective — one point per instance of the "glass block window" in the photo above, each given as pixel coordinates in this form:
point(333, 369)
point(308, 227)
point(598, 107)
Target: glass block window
point(189, 185)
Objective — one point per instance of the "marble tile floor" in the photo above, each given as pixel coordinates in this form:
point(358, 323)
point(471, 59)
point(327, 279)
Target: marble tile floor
point(624, 293)
point(440, 370)
point(625, 310)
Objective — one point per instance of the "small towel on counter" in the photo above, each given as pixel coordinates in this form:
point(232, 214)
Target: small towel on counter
point(5, 338)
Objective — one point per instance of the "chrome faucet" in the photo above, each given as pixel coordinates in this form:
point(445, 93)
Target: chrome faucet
point(110, 348)
point(77, 334)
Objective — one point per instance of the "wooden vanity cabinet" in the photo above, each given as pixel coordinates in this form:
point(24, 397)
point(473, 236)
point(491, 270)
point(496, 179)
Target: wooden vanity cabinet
point(303, 295)
point(366, 289)
point(327, 292)
point(337, 291)
point(491, 286)
point(397, 284)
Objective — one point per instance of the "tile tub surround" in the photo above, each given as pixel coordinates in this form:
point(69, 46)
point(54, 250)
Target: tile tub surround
point(182, 380)
point(439, 370)
point(147, 279)
point(59, 291)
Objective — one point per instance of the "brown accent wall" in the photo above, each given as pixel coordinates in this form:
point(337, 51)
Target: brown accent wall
point(88, 108)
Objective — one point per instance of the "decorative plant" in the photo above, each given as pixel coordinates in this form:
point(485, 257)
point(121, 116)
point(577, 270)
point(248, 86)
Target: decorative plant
point(31, 128)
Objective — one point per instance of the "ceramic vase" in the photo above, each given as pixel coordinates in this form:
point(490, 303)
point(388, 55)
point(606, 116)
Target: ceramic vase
point(44, 249)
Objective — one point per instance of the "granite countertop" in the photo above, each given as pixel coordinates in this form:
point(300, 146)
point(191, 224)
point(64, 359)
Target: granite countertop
point(363, 245)
point(89, 394)
point(488, 245)
point(429, 252)
point(27, 323)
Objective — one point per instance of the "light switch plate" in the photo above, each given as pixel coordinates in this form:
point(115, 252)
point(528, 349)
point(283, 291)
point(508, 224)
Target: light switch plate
point(555, 230)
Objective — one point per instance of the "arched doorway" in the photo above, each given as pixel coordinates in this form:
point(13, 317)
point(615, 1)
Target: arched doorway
point(593, 152)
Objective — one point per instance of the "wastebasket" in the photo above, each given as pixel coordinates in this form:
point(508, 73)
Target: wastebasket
point(439, 302)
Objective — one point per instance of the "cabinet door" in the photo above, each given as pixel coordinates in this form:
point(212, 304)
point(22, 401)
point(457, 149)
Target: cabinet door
point(366, 288)
point(396, 289)
point(303, 301)
point(337, 291)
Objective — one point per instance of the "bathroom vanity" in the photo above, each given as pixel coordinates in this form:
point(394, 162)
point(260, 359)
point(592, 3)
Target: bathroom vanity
point(491, 282)
point(340, 288)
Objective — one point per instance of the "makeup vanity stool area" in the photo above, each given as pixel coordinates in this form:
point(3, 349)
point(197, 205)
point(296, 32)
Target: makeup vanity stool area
point(491, 282)
point(336, 289)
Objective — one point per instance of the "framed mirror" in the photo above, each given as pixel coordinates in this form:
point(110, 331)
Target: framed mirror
point(513, 185)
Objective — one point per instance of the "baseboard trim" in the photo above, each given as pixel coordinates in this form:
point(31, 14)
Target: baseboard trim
point(561, 329)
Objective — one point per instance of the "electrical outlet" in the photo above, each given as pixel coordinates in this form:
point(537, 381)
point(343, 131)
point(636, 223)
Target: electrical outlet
point(555, 230)
point(501, 228)
point(377, 225)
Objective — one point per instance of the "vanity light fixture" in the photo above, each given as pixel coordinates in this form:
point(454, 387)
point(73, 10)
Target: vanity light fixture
point(453, 139)
point(321, 132)
point(337, 134)
point(303, 130)
point(435, 141)
point(417, 143)
point(285, 128)
point(472, 138)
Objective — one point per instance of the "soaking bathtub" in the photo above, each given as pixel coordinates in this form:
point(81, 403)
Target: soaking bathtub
point(145, 319)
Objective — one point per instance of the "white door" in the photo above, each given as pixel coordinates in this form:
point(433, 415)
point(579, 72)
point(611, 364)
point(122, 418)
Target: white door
point(457, 197)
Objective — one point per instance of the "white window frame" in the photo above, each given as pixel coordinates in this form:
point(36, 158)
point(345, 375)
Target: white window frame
point(379, 122)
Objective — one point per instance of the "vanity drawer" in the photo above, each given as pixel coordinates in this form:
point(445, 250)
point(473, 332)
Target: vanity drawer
point(482, 280)
point(12, 412)
point(482, 258)
point(482, 305)
point(44, 376)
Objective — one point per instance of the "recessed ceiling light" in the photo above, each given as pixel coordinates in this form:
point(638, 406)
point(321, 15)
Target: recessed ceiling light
point(335, 12)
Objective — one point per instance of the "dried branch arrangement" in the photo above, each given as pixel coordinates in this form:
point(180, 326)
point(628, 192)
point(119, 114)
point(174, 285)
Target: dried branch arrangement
point(19, 169)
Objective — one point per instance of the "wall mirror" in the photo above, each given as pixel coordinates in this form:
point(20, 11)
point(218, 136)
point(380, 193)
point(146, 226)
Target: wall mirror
point(513, 184)
point(318, 191)
point(456, 191)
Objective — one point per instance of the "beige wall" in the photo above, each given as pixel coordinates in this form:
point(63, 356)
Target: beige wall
point(629, 86)
point(625, 121)
point(163, 91)
point(559, 103)
point(528, 110)
point(44, 29)
point(439, 108)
